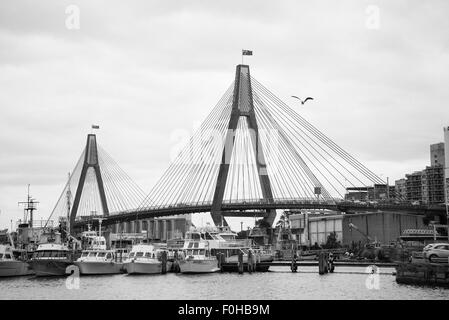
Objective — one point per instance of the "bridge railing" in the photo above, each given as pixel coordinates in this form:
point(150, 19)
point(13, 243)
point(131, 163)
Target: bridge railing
point(283, 202)
point(239, 202)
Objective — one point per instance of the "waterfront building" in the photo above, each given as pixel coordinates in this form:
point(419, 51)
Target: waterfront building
point(414, 186)
point(434, 184)
point(384, 227)
point(426, 186)
point(158, 229)
point(378, 192)
point(437, 154)
point(400, 189)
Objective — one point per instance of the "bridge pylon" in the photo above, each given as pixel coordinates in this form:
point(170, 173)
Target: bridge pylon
point(90, 161)
point(242, 106)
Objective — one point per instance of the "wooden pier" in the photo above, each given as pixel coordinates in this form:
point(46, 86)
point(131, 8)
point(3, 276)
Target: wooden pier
point(294, 265)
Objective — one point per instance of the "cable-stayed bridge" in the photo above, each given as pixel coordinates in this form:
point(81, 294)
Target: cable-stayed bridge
point(252, 155)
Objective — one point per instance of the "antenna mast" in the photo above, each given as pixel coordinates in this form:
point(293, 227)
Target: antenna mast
point(30, 206)
point(69, 204)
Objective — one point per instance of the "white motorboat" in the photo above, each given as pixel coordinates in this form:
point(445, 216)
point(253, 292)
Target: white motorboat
point(96, 259)
point(145, 259)
point(196, 258)
point(13, 262)
point(223, 241)
point(98, 262)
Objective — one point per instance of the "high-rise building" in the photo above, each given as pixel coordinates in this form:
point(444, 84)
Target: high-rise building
point(446, 165)
point(414, 186)
point(400, 189)
point(437, 154)
point(427, 186)
point(434, 184)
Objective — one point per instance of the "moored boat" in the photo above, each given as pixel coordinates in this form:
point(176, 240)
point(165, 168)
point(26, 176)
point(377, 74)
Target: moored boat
point(13, 262)
point(222, 241)
point(145, 259)
point(196, 258)
point(98, 262)
point(51, 259)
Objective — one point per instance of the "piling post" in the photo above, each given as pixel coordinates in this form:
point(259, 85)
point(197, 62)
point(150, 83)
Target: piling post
point(294, 266)
point(331, 263)
point(164, 262)
point(221, 261)
point(240, 262)
point(250, 261)
point(175, 267)
point(322, 263)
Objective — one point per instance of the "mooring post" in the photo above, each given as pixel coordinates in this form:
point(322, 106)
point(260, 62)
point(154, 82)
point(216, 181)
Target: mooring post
point(331, 263)
point(240, 262)
point(164, 262)
point(250, 261)
point(293, 266)
point(219, 261)
point(322, 263)
point(222, 261)
point(175, 267)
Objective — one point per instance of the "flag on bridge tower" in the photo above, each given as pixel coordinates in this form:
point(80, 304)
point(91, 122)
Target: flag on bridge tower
point(246, 53)
point(94, 126)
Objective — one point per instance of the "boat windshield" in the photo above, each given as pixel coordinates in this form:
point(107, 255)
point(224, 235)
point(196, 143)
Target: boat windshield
point(227, 236)
point(1, 255)
point(148, 255)
point(50, 254)
point(195, 252)
point(131, 255)
point(139, 254)
point(92, 254)
point(193, 245)
point(84, 254)
point(101, 254)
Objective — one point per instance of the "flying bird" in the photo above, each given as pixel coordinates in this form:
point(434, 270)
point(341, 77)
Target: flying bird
point(302, 102)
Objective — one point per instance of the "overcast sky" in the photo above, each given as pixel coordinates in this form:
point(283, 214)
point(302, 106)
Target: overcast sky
point(144, 70)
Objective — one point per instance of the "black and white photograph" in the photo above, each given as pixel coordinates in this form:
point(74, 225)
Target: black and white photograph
point(248, 151)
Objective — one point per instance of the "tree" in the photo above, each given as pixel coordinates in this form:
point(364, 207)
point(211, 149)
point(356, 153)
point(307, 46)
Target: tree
point(262, 223)
point(283, 222)
point(332, 241)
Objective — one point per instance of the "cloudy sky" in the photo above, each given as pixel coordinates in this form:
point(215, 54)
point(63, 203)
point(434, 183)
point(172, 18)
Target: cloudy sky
point(144, 70)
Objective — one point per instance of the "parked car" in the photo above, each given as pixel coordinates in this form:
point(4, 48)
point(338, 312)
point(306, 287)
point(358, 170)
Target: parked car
point(436, 250)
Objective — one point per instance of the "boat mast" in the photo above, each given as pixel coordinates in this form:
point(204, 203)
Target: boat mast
point(69, 204)
point(30, 206)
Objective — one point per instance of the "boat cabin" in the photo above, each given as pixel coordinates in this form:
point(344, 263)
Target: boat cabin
point(51, 251)
point(146, 251)
point(6, 253)
point(97, 255)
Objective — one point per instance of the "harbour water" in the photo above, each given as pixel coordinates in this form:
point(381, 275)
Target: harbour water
point(279, 283)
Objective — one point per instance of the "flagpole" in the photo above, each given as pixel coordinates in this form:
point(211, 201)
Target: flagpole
point(242, 56)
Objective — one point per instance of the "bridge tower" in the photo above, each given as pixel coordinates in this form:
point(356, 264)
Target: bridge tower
point(90, 161)
point(242, 106)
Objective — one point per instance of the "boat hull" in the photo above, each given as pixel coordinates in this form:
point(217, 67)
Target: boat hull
point(97, 268)
point(47, 268)
point(144, 267)
point(198, 266)
point(15, 268)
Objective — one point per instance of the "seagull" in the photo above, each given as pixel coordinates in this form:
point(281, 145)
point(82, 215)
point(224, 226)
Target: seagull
point(302, 102)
